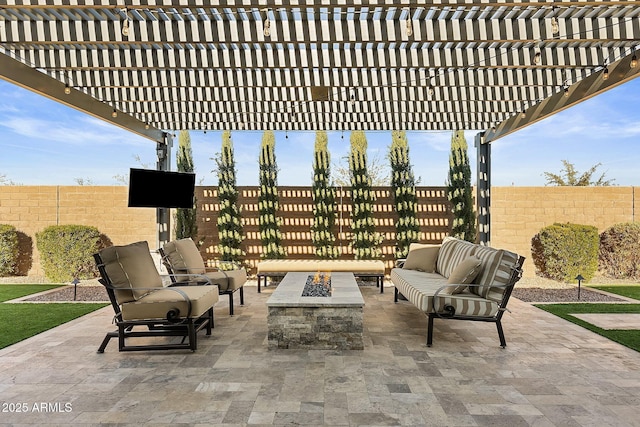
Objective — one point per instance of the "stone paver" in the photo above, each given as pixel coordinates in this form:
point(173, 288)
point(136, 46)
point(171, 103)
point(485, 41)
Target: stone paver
point(552, 373)
point(611, 320)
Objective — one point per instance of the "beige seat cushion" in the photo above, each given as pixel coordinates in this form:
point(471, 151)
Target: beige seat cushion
point(466, 304)
point(422, 257)
point(132, 270)
point(184, 256)
point(419, 288)
point(237, 278)
point(157, 304)
point(228, 280)
point(302, 265)
point(463, 274)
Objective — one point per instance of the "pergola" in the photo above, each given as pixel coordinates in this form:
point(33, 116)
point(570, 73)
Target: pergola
point(156, 66)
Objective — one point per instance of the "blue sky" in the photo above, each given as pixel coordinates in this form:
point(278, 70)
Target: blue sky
point(45, 143)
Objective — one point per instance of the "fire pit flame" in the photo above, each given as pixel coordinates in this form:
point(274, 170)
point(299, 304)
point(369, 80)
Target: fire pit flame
point(318, 285)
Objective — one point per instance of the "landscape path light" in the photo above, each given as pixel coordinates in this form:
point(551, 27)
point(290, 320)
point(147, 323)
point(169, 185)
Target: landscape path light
point(75, 287)
point(579, 278)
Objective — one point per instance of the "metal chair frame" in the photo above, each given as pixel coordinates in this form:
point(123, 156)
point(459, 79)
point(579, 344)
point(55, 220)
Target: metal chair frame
point(174, 325)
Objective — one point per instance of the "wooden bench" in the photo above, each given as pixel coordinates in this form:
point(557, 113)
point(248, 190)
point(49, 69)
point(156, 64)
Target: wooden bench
point(359, 268)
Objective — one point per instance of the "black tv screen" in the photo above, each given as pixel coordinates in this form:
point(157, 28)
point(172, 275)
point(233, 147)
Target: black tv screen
point(150, 188)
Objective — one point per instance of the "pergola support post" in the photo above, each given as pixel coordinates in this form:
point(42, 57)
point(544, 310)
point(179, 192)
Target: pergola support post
point(483, 189)
point(163, 215)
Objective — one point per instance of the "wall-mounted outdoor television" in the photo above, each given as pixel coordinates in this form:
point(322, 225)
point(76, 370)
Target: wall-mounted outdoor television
point(150, 188)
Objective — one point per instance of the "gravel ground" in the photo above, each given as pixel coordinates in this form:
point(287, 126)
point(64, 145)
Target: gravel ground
point(84, 293)
point(561, 295)
point(540, 289)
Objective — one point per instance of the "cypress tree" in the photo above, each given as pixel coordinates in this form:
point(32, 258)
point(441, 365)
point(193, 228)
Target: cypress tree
point(403, 188)
point(459, 189)
point(324, 198)
point(186, 224)
point(365, 240)
point(229, 222)
point(268, 202)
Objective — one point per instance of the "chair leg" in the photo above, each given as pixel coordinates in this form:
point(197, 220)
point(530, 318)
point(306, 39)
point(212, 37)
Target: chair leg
point(258, 283)
point(105, 341)
point(503, 342)
point(209, 320)
point(381, 282)
point(430, 331)
point(230, 303)
point(121, 332)
point(395, 295)
point(242, 296)
point(193, 337)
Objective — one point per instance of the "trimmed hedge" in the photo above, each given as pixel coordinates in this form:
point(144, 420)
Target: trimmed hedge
point(620, 251)
point(563, 251)
point(8, 249)
point(66, 251)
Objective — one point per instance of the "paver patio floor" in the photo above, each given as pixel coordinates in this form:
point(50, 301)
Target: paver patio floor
point(552, 373)
point(611, 320)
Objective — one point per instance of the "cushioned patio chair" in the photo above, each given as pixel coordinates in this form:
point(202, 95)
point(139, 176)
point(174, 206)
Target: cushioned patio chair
point(140, 299)
point(183, 257)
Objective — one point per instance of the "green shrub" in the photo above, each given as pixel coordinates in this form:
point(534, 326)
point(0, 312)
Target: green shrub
point(562, 251)
point(66, 251)
point(620, 251)
point(8, 249)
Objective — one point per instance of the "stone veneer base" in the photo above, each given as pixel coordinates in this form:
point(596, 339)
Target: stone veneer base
point(334, 322)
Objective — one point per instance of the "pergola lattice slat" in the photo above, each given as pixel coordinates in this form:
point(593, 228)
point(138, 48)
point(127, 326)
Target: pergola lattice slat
point(207, 65)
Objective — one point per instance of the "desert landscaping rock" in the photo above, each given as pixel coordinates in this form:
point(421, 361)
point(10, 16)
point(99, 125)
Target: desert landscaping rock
point(84, 293)
point(561, 295)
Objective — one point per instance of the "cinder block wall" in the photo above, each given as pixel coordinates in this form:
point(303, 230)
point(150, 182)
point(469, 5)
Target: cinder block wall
point(32, 208)
point(518, 213)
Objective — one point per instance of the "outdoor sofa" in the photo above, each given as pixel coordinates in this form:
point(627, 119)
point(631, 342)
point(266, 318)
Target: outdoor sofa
point(458, 280)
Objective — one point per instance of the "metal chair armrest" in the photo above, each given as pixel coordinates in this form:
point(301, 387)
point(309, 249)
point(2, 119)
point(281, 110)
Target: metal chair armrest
point(450, 310)
point(188, 279)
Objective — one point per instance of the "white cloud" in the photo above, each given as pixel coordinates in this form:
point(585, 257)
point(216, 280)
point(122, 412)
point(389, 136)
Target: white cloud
point(436, 140)
point(81, 131)
point(8, 108)
point(606, 117)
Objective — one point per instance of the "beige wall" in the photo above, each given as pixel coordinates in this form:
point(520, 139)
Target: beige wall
point(517, 214)
point(32, 208)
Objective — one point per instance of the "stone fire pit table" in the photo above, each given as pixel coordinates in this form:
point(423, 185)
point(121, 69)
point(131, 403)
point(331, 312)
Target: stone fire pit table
point(333, 322)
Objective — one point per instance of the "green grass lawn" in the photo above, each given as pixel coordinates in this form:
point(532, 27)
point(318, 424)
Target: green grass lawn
point(629, 291)
point(24, 320)
point(9, 292)
point(629, 338)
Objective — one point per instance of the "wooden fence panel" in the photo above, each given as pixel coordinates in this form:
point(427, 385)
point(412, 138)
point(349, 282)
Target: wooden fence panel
point(296, 211)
